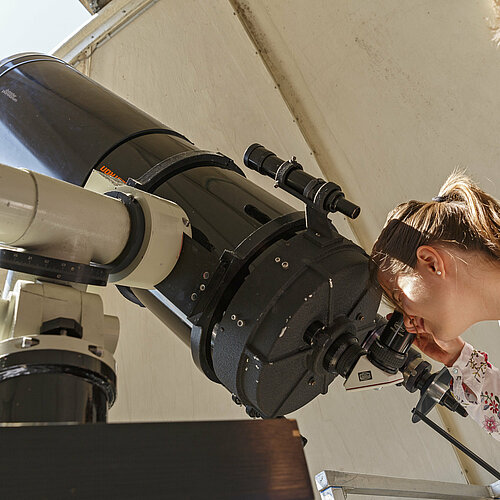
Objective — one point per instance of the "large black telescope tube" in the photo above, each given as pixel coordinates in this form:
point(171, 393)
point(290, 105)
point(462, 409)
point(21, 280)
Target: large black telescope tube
point(252, 279)
point(57, 122)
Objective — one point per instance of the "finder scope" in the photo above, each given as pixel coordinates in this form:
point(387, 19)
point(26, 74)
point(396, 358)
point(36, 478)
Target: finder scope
point(290, 176)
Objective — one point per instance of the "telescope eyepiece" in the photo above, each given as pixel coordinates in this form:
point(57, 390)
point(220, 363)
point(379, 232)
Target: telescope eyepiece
point(389, 351)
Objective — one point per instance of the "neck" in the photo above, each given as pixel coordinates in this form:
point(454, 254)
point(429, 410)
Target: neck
point(482, 289)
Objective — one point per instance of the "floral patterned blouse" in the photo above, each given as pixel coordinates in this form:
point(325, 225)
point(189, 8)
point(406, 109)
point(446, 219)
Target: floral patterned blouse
point(476, 385)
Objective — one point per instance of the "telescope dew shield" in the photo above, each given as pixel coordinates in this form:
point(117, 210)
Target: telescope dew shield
point(250, 281)
point(57, 122)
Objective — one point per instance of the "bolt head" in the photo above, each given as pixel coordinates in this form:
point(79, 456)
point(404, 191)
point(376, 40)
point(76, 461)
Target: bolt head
point(28, 342)
point(97, 350)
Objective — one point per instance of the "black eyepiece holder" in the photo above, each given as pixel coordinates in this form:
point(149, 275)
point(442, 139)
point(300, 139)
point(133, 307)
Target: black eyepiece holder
point(318, 195)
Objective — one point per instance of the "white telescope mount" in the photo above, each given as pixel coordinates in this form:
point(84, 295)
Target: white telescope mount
point(56, 343)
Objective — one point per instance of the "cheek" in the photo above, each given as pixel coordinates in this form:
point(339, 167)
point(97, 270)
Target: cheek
point(413, 306)
point(412, 289)
point(417, 299)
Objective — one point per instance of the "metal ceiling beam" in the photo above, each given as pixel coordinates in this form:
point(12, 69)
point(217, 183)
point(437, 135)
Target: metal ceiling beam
point(94, 6)
point(101, 27)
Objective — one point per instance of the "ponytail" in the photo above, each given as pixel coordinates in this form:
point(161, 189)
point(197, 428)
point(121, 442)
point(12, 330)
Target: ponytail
point(480, 210)
point(462, 216)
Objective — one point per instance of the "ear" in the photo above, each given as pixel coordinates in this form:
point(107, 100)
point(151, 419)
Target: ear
point(429, 260)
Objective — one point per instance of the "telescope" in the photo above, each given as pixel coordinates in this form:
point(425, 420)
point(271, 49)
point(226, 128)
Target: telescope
point(273, 303)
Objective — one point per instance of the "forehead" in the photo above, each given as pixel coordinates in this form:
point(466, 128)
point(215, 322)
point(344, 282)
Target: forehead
point(387, 281)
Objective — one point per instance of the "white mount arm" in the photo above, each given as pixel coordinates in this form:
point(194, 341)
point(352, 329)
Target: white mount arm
point(56, 219)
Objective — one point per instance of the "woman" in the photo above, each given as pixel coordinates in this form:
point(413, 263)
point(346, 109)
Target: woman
point(439, 263)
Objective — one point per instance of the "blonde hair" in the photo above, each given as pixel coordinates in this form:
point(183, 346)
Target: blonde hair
point(463, 216)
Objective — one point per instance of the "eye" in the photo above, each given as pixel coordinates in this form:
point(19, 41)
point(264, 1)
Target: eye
point(398, 296)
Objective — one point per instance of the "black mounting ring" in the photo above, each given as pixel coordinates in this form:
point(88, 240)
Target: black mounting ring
point(324, 192)
point(53, 361)
point(284, 169)
point(311, 188)
point(179, 163)
point(137, 231)
point(155, 177)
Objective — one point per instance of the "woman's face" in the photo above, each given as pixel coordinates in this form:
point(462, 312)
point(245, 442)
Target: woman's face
point(429, 302)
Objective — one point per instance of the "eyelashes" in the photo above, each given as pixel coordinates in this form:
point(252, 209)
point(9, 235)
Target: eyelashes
point(397, 299)
point(391, 303)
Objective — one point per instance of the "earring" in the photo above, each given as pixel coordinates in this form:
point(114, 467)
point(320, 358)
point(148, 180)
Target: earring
point(439, 273)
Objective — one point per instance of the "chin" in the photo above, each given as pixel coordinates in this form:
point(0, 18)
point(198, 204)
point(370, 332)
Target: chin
point(448, 334)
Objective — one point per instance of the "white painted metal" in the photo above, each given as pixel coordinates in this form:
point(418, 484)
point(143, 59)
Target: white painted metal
point(17, 202)
point(366, 376)
point(330, 482)
point(495, 489)
point(57, 219)
point(100, 28)
point(165, 225)
point(57, 342)
point(28, 305)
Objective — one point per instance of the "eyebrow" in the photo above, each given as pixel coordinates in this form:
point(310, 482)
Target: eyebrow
point(391, 299)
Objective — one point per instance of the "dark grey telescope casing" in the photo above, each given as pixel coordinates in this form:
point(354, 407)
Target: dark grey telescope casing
point(263, 295)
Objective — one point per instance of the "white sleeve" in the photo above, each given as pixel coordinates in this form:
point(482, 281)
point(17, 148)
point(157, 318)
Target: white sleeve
point(476, 385)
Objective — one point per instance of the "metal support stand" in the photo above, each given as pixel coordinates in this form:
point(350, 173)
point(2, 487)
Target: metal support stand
point(336, 485)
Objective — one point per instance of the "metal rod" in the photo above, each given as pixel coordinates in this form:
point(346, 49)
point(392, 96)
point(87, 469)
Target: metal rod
point(458, 444)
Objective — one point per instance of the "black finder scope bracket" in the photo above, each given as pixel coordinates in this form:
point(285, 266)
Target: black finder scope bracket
point(320, 197)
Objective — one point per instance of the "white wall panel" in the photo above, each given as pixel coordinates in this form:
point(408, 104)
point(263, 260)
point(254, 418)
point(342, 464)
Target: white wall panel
point(391, 94)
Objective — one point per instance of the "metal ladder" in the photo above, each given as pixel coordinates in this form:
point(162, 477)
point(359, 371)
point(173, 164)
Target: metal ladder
point(337, 485)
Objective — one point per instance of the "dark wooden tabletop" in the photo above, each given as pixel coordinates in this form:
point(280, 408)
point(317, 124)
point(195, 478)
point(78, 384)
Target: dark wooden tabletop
point(260, 459)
